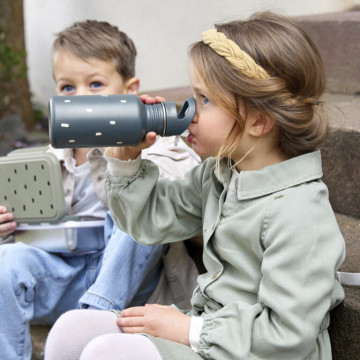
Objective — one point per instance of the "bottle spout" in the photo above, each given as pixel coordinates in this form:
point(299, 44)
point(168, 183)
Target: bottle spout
point(177, 124)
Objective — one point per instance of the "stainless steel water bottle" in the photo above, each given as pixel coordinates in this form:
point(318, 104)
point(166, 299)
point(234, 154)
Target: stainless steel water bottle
point(113, 120)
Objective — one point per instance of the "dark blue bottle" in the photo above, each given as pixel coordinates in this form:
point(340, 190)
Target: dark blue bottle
point(113, 120)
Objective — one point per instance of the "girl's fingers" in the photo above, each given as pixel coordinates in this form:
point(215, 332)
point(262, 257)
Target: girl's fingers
point(150, 138)
point(131, 321)
point(159, 306)
point(132, 330)
point(133, 311)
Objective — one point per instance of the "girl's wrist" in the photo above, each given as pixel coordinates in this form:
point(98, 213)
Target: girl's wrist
point(122, 168)
point(196, 325)
point(124, 153)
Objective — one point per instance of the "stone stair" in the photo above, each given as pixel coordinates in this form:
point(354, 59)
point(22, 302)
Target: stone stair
point(338, 38)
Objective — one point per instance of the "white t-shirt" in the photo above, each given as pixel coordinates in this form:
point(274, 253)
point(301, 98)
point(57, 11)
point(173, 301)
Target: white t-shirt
point(85, 202)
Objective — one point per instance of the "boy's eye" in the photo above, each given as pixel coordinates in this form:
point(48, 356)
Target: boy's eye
point(67, 88)
point(96, 85)
point(204, 99)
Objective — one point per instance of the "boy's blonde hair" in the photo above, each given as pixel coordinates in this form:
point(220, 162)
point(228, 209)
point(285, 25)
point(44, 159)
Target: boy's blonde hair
point(290, 94)
point(98, 40)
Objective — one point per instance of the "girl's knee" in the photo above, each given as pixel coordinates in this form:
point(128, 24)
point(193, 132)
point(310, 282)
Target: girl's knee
point(75, 329)
point(97, 349)
point(119, 347)
point(62, 337)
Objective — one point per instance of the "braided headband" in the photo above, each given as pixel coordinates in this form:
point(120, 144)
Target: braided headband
point(232, 52)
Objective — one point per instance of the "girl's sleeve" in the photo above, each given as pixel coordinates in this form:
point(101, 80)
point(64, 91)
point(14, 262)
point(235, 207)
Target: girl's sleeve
point(156, 211)
point(303, 248)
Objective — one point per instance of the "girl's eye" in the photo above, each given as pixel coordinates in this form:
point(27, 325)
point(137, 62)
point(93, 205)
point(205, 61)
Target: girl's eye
point(204, 99)
point(96, 85)
point(67, 88)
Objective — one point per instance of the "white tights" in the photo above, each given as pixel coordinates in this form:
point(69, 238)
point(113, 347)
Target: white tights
point(94, 335)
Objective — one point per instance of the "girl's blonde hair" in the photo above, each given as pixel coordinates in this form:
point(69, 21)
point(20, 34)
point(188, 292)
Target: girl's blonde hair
point(98, 40)
point(291, 93)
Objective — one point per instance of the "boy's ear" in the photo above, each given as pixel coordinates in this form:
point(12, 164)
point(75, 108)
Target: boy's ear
point(261, 125)
point(131, 85)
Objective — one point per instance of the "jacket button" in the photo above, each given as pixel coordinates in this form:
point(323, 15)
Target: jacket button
point(215, 276)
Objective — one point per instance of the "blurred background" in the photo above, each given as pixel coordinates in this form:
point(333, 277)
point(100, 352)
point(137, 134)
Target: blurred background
point(161, 30)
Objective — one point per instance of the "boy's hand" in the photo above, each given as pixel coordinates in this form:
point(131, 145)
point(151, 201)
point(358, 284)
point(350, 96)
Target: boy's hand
point(147, 99)
point(132, 152)
point(7, 225)
point(156, 320)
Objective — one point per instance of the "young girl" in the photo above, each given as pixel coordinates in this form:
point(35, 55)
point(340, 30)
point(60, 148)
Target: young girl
point(271, 242)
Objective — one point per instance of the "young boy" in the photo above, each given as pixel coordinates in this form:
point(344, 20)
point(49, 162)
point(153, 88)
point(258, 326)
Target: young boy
point(36, 286)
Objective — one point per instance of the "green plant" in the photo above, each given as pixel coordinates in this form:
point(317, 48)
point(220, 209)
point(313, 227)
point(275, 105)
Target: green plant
point(11, 61)
point(11, 65)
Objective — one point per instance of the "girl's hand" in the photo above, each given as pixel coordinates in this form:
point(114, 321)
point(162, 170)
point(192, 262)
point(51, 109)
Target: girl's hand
point(132, 152)
point(156, 320)
point(7, 225)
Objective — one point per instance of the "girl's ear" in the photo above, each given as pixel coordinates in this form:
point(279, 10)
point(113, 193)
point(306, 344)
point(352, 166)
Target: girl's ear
point(131, 85)
point(261, 125)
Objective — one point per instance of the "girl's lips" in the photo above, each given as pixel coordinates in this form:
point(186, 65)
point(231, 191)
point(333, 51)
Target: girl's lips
point(190, 138)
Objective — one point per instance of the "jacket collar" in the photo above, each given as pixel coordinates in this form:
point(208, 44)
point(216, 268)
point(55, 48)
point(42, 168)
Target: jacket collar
point(66, 156)
point(292, 172)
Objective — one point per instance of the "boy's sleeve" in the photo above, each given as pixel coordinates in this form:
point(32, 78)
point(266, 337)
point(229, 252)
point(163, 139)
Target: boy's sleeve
point(172, 156)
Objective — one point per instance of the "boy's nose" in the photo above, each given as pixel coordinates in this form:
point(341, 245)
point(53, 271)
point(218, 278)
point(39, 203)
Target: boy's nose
point(82, 91)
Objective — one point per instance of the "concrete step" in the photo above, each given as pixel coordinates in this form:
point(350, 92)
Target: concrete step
point(337, 36)
point(38, 337)
point(345, 319)
point(345, 325)
point(350, 228)
point(341, 155)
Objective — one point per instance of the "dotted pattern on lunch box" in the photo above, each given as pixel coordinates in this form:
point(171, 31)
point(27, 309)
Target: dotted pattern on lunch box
point(25, 189)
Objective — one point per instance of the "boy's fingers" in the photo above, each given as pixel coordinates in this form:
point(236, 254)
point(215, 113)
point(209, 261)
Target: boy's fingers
point(159, 99)
point(147, 99)
point(7, 217)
